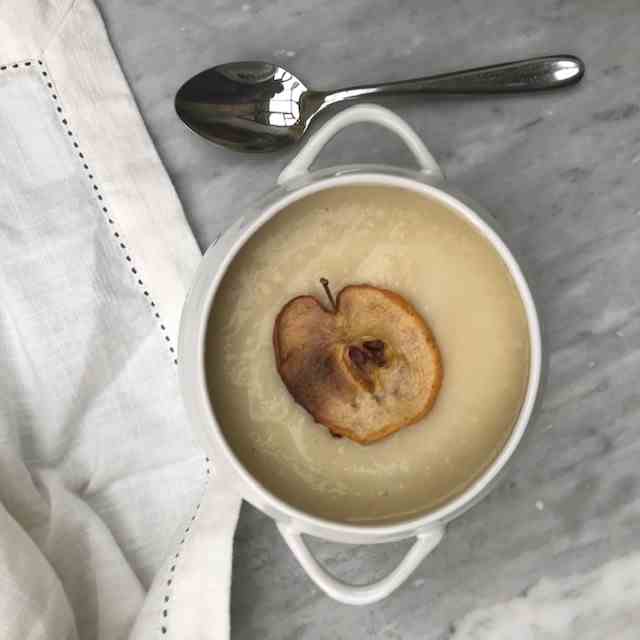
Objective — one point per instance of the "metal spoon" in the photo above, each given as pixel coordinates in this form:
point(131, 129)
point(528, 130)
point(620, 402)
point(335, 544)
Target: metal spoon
point(258, 106)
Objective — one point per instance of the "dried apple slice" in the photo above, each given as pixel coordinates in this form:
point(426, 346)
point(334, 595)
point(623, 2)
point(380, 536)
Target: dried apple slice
point(365, 368)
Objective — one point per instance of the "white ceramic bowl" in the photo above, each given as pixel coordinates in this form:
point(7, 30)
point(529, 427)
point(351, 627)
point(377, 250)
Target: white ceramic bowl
point(295, 182)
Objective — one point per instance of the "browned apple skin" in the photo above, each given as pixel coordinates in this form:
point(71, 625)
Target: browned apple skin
point(320, 376)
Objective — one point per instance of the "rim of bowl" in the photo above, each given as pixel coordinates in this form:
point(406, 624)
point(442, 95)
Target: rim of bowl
point(467, 498)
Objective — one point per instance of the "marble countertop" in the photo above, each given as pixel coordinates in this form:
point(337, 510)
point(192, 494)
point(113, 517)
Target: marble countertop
point(559, 540)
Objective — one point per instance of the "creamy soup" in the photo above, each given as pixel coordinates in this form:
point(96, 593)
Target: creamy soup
point(399, 240)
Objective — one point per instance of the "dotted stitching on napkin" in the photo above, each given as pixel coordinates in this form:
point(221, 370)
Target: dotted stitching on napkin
point(64, 121)
point(15, 65)
point(176, 557)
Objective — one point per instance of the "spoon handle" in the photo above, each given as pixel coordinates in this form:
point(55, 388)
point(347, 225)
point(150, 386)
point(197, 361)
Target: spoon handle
point(534, 74)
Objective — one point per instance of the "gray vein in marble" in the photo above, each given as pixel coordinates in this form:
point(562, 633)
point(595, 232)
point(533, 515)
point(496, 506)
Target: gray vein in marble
point(600, 604)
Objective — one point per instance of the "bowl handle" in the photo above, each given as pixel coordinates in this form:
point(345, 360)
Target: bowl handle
point(362, 113)
point(425, 543)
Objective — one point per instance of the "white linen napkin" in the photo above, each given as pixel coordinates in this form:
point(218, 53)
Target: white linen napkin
point(101, 483)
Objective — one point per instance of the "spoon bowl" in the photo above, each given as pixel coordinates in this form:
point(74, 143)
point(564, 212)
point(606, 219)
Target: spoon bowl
point(259, 106)
point(248, 106)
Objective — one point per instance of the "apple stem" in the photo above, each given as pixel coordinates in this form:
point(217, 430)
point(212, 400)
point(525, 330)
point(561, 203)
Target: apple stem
point(325, 283)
